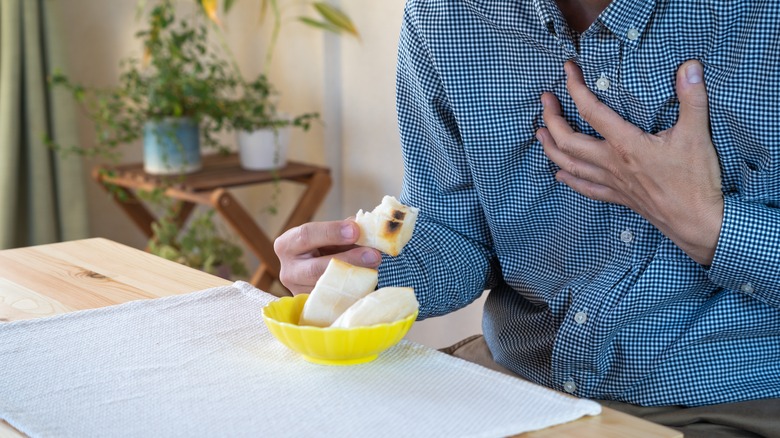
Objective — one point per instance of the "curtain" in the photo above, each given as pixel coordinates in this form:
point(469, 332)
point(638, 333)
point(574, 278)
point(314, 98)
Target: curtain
point(42, 194)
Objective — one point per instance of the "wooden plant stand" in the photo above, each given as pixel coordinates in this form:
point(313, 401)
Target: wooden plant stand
point(209, 186)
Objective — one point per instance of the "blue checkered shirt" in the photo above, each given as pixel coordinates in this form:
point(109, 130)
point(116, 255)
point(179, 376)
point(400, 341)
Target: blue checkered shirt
point(587, 297)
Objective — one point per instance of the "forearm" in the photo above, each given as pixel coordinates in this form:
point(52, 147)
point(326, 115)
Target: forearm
point(446, 269)
point(447, 261)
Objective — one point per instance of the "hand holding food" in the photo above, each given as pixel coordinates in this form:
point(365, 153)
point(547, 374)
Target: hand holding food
point(304, 252)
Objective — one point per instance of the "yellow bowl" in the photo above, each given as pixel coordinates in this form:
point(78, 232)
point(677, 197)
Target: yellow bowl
point(331, 346)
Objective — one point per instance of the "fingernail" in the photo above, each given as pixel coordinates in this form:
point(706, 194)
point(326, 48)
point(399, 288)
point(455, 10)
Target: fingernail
point(693, 73)
point(347, 232)
point(370, 257)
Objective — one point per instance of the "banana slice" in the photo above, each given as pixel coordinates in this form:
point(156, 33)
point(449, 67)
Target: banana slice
point(388, 227)
point(340, 286)
point(387, 304)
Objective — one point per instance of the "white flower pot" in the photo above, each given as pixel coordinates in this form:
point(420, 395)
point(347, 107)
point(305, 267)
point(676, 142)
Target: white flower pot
point(263, 149)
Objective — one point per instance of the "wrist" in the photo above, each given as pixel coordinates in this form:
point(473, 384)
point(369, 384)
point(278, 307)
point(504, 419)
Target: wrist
point(699, 238)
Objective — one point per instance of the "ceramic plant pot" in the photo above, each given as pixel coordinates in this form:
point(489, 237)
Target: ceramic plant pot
point(171, 146)
point(263, 149)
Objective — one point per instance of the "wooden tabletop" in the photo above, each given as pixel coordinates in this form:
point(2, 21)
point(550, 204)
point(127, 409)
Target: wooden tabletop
point(49, 279)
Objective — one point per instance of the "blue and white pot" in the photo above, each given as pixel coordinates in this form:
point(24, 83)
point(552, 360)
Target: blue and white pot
point(171, 146)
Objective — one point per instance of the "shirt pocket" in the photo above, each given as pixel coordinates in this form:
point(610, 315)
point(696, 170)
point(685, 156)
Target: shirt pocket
point(758, 186)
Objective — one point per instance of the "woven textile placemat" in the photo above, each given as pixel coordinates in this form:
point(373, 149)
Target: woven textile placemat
point(204, 364)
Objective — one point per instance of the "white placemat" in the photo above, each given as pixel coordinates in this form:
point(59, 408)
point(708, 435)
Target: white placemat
point(204, 364)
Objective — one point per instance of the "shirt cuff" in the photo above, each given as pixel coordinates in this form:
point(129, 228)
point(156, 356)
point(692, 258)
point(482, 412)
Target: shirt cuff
point(748, 253)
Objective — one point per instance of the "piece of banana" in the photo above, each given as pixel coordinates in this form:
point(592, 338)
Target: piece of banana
point(388, 227)
point(384, 305)
point(339, 287)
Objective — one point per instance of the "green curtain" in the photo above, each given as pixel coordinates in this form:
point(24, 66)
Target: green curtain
point(42, 194)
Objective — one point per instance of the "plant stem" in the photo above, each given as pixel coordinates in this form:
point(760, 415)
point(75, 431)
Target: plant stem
point(274, 35)
point(226, 48)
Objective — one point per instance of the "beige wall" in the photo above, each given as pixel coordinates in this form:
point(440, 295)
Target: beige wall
point(350, 82)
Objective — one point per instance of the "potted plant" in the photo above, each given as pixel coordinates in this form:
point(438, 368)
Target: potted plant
point(171, 98)
point(262, 130)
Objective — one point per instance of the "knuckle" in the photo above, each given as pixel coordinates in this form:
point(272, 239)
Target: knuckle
point(565, 145)
point(586, 112)
point(302, 234)
point(285, 278)
point(622, 152)
point(573, 168)
point(312, 272)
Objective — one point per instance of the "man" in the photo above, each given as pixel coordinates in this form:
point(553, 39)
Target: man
point(609, 171)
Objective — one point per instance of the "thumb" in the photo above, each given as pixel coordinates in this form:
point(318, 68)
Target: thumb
point(694, 109)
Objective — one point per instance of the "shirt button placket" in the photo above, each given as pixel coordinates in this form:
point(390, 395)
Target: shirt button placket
point(602, 83)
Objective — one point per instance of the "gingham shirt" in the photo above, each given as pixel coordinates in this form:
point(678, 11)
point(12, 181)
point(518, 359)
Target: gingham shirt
point(587, 297)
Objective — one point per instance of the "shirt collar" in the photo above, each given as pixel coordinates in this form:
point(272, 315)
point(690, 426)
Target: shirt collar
point(621, 17)
point(627, 19)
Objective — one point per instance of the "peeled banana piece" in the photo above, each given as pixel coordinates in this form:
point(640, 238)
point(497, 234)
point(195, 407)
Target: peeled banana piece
point(339, 287)
point(384, 305)
point(388, 227)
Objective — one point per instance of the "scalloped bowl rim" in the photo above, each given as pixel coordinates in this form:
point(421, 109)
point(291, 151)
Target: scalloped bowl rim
point(398, 328)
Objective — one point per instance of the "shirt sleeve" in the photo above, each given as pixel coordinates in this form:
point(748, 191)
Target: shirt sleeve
point(449, 261)
point(747, 258)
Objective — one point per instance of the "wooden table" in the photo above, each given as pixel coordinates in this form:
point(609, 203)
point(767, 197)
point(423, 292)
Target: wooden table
point(211, 186)
point(45, 280)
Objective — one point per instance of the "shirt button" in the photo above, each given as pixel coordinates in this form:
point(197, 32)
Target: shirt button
point(632, 34)
point(747, 288)
point(603, 83)
point(627, 236)
point(580, 317)
point(569, 387)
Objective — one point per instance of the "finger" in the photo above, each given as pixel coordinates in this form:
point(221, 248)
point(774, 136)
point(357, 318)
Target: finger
point(573, 144)
point(566, 139)
point(307, 238)
point(300, 276)
point(553, 116)
point(694, 106)
point(606, 122)
point(566, 160)
point(361, 256)
point(589, 189)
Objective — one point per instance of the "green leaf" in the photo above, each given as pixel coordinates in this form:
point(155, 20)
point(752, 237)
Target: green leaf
point(227, 5)
point(319, 24)
point(139, 9)
point(336, 17)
